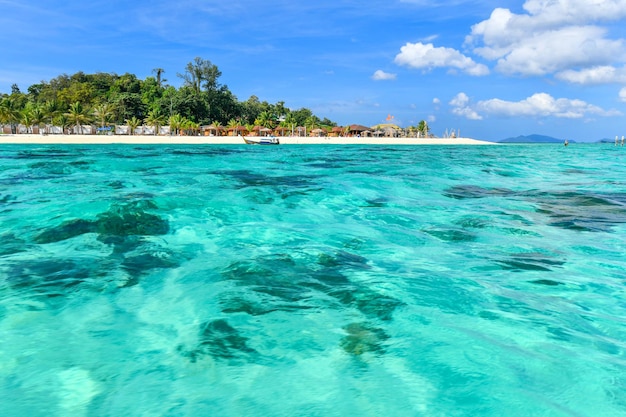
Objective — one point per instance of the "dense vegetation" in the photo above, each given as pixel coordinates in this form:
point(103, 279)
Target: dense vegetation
point(107, 99)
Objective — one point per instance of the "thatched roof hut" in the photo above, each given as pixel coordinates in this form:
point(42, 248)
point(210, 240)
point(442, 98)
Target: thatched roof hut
point(237, 130)
point(357, 130)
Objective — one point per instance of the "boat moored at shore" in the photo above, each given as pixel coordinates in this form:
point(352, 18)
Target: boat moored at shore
point(265, 140)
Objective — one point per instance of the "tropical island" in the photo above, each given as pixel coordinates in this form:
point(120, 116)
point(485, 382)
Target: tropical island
point(107, 105)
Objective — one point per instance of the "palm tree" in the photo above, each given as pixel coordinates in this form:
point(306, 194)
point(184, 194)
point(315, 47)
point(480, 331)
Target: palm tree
point(38, 115)
point(232, 123)
point(51, 110)
point(9, 113)
point(190, 127)
point(176, 121)
point(78, 115)
point(156, 119)
point(62, 121)
point(423, 128)
point(265, 119)
point(310, 123)
point(290, 121)
point(26, 118)
point(133, 123)
point(159, 72)
point(103, 113)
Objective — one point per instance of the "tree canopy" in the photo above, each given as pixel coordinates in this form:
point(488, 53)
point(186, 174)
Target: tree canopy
point(103, 98)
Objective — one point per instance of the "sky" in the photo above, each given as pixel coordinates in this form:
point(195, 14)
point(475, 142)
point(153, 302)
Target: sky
point(486, 69)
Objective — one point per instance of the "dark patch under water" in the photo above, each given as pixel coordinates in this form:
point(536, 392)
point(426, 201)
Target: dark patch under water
point(461, 192)
point(572, 210)
point(221, 341)
point(363, 338)
point(279, 283)
point(123, 227)
point(124, 219)
point(548, 282)
point(50, 277)
point(582, 211)
point(254, 179)
point(530, 262)
point(452, 235)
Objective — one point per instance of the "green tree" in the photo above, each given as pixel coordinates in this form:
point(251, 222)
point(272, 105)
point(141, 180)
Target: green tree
point(127, 105)
point(9, 113)
point(190, 127)
point(311, 123)
point(37, 114)
point(265, 119)
point(62, 121)
point(133, 123)
point(201, 73)
point(232, 123)
point(156, 119)
point(103, 113)
point(290, 122)
point(81, 92)
point(159, 76)
point(176, 122)
point(78, 115)
point(26, 118)
point(423, 128)
point(51, 110)
point(301, 116)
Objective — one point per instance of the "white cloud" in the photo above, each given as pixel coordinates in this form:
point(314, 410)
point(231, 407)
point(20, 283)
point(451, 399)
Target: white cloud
point(382, 75)
point(622, 94)
point(594, 75)
point(460, 104)
point(551, 37)
point(426, 56)
point(537, 105)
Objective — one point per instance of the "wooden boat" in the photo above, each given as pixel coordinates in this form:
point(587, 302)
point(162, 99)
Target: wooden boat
point(262, 140)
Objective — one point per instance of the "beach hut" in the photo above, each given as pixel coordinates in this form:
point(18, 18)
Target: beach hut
point(211, 130)
point(237, 130)
point(256, 131)
point(282, 131)
point(357, 130)
point(336, 131)
point(318, 132)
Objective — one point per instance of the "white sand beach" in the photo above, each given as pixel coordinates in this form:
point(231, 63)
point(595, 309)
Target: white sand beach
point(226, 140)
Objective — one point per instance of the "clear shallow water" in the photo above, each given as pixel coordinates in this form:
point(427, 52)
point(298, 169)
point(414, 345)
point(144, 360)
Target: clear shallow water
point(313, 281)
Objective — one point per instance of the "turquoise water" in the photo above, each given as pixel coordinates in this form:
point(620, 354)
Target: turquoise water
point(313, 281)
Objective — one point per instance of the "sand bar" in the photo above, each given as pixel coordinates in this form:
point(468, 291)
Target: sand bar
point(225, 140)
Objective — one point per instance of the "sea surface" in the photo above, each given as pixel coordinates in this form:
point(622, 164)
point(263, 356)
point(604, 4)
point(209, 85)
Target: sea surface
point(313, 280)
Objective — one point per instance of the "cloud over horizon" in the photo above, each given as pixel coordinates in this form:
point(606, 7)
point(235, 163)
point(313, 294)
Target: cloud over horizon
point(537, 105)
point(427, 56)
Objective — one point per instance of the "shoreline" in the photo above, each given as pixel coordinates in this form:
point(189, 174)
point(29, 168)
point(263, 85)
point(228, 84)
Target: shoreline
point(38, 139)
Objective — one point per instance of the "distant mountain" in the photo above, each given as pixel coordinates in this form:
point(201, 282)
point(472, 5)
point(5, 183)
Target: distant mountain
point(607, 140)
point(533, 139)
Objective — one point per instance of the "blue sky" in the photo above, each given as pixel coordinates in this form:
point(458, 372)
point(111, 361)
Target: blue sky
point(490, 69)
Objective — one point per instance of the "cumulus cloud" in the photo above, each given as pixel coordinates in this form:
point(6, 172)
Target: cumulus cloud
point(461, 107)
point(382, 75)
point(594, 75)
point(427, 56)
point(552, 36)
point(537, 105)
point(622, 94)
